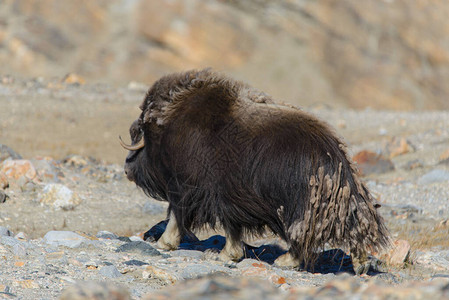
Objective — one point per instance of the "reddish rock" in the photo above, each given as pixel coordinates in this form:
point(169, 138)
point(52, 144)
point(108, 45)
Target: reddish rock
point(14, 169)
point(3, 181)
point(277, 280)
point(399, 146)
point(444, 157)
point(371, 163)
point(400, 252)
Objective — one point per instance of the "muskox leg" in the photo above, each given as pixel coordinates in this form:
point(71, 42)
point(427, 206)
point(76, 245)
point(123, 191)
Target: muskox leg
point(360, 262)
point(233, 249)
point(287, 260)
point(171, 237)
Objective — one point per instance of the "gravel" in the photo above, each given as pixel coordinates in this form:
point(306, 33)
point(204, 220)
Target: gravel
point(96, 247)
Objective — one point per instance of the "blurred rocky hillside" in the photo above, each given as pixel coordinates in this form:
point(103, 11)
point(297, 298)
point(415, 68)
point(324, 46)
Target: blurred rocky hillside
point(391, 54)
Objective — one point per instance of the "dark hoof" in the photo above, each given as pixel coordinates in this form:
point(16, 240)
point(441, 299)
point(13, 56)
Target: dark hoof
point(369, 264)
point(155, 233)
point(363, 268)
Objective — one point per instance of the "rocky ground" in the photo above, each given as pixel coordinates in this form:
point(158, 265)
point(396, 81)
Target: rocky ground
point(71, 225)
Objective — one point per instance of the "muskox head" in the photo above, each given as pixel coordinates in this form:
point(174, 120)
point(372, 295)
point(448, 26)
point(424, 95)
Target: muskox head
point(138, 142)
point(220, 151)
point(164, 109)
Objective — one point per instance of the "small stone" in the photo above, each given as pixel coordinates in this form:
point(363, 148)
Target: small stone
point(106, 235)
point(134, 262)
point(7, 79)
point(371, 163)
point(200, 270)
point(65, 238)
point(277, 280)
point(137, 86)
point(285, 287)
point(3, 196)
point(19, 264)
point(76, 161)
point(59, 196)
point(341, 124)
point(72, 78)
point(26, 284)
point(151, 272)
point(445, 156)
point(413, 164)
point(14, 169)
point(19, 250)
point(110, 272)
point(383, 131)
point(21, 236)
point(252, 267)
point(5, 231)
point(399, 146)
point(9, 241)
point(135, 238)
point(187, 253)
point(95, 290)
point(46, 169)
point(252, 263)
point(91, 265)
point(124, 239)
point(87, 236)
point(434, 176)
point(258, 272)
point(400, 252)
point(143, 247)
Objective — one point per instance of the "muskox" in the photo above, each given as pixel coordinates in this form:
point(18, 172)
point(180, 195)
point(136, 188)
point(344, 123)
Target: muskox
point(224, 154)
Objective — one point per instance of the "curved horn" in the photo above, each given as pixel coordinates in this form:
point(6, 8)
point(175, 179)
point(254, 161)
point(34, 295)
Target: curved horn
point(135, 147)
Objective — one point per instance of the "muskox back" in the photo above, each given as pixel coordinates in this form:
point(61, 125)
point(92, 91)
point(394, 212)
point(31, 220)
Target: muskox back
point(225, 152)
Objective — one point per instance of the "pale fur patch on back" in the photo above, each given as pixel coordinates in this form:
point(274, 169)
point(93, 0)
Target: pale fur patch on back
point(337, 215)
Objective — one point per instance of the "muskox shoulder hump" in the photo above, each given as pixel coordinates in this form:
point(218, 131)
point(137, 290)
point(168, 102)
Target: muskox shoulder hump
point(206, 104)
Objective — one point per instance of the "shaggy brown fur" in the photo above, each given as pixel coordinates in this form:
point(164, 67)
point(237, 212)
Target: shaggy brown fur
point(220, 151)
